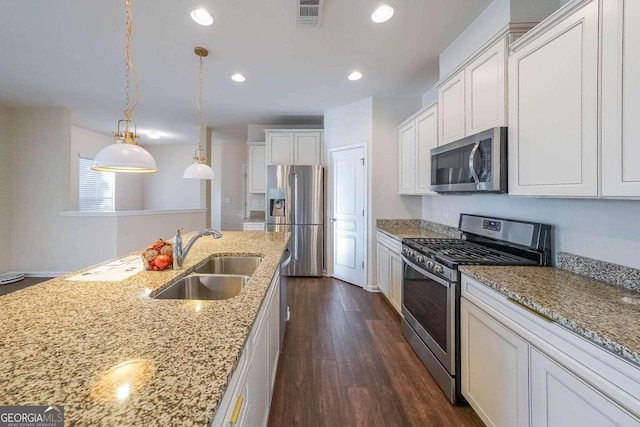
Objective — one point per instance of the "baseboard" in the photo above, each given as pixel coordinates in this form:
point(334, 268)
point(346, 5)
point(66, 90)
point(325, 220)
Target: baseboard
point(371, 288)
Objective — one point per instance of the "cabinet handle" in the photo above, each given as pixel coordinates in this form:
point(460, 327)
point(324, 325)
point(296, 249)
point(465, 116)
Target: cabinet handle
point(236, 411)
point(532, 311)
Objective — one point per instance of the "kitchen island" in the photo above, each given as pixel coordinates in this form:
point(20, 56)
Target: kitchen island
point(114, 356)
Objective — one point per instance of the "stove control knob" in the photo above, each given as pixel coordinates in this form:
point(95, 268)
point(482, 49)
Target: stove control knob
point(420, 258)
point(430, 265)
point(439, 269)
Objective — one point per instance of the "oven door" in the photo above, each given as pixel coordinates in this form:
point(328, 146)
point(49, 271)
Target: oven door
point(429, 307)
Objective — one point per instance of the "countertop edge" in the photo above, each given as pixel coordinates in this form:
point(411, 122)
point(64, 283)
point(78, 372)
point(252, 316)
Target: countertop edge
point(572, 326)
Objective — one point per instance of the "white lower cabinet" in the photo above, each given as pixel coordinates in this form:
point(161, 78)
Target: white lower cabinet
point(520, 369)
point(559, 398)
point(494, 369)
point(389, 269)
point(248, 397)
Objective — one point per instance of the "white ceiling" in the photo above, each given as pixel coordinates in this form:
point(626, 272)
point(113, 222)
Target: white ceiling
point(70, 53)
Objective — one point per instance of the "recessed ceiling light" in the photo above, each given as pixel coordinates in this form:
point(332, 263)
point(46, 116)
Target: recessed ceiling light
point(237, 77)
point(356, 75)
point(153, 135)
point(382, 14)
point(202, 17)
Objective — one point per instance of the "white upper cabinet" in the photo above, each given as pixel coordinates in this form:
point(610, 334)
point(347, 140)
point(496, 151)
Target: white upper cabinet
point(451, 100)
point(257, 168)
point(407, 167)
point(280, 148)
point(426, 139)
point(620, 98)
point(473, 98)
point(485, 105)
point(416, 137)
point(307, 148)
point(294, 147)
point(553, 106)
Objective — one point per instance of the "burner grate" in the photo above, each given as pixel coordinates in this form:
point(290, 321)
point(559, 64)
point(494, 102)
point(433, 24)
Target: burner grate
point(456, 251)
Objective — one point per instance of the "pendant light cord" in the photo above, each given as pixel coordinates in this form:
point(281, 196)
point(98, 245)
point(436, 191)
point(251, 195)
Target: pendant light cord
point(200, 108)
point(129, 68)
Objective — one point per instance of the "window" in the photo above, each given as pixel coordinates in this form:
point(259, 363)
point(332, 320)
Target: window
point(97, 189)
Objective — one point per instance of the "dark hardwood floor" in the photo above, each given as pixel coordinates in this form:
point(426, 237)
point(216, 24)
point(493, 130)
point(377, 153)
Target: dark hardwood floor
point(24, 283)
point(345, 363)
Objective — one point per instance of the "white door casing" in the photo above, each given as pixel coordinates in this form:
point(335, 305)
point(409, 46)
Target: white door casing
point(348, 218)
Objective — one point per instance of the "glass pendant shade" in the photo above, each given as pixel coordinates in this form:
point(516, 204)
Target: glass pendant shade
point(199, 171)
point(124, 157)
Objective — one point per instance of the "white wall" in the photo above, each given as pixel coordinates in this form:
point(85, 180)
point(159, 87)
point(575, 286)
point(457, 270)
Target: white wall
point(134, 229)
point(5, 188)
point(603, 229)
point(373, 121)
point(234, 155)
point(166, 189)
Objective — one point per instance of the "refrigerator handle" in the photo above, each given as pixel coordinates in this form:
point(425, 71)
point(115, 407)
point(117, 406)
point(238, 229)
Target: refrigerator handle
point(295, 242)
point(296, 202)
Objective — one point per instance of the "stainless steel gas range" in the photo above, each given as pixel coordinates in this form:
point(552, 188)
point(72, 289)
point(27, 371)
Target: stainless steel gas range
point(431, 285)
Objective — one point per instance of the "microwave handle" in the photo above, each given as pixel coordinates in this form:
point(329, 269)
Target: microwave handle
point(472, 157)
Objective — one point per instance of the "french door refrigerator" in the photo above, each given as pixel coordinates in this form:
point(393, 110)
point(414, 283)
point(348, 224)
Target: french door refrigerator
point(295, 204)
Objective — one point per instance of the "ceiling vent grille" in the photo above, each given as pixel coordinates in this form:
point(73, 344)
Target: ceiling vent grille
point(309, 12)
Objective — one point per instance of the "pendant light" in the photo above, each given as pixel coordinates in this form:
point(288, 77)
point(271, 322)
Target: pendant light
point(200, 169)
point(126, 155)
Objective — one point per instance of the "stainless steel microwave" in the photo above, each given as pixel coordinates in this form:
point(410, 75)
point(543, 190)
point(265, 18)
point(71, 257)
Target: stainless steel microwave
point(477, 163)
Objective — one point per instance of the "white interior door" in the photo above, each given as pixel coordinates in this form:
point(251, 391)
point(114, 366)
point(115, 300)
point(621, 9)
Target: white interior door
point(348, 220)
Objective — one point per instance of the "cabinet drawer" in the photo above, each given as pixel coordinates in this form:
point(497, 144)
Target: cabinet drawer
point(391, 243)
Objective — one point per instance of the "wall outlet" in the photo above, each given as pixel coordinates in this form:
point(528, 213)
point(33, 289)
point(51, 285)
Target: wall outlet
point(227, 200)
point(255, 202)
point(445, 212)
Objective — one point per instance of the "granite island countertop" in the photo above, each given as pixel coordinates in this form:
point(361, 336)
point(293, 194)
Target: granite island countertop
point(114, 356)
point(606, 314)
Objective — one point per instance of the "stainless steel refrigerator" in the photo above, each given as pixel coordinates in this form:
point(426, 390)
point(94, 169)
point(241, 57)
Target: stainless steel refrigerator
point(295, 204)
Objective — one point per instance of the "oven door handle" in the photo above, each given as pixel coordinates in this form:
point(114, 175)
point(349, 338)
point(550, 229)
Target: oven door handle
point(424, 272)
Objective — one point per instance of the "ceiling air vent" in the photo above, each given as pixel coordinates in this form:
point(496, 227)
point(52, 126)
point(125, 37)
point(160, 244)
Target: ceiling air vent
point(309, 12)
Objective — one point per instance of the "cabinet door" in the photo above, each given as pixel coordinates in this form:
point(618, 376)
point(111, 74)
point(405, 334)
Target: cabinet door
point(395, 276)
point(451, 104)
point(307, 148)
point(560, 399)
point(407, 158)
point(280, 148)
point(494, 369)
point(620, 98)
point(553, 109)
point(259, 395)
point(257, 169)
point(427, 138)
point(485, 104)
point(273, 316)
point(383, 270)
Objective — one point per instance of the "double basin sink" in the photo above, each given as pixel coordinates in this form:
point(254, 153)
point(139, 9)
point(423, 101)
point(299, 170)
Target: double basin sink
point(218, 278)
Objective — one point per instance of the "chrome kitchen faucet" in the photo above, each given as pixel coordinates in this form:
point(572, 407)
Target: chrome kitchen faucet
point(179, 253)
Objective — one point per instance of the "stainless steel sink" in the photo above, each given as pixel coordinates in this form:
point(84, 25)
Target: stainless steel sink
point(205, 287)
point(244, 265)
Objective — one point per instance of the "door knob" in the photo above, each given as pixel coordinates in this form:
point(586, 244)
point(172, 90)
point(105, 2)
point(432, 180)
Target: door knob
point(333, 219)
